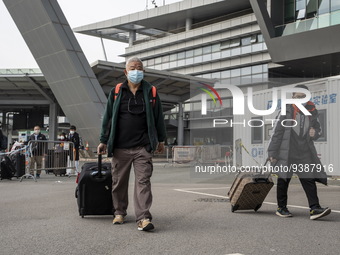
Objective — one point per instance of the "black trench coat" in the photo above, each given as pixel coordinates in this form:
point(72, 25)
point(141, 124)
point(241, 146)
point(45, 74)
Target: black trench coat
point(279, 144)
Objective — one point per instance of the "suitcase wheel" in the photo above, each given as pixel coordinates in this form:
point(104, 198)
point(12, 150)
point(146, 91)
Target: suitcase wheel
point(82, 216)
point(234, 208)
point(257, 207)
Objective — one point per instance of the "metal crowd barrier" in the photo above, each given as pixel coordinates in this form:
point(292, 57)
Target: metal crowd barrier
point(203, 154)
point(50, 156)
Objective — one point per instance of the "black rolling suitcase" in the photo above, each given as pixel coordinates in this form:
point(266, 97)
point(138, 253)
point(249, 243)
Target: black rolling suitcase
point(7, 169)
point(60, 161)
point(94, 190)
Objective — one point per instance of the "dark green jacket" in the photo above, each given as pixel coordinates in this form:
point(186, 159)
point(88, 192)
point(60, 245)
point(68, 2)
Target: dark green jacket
point(154, 118)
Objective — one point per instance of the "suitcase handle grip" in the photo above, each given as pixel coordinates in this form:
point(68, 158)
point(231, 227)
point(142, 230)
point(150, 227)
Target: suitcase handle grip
point(100, 165)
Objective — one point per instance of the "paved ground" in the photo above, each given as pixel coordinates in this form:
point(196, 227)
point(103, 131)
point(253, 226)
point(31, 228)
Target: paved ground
point(191, 215)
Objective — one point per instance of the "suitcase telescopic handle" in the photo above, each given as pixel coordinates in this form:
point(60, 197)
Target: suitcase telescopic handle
point(100, 165)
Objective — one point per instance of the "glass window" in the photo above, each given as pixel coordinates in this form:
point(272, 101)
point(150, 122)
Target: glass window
point(335, 5)
point(216, 75)
point(198, 59)
point(256, 69)
point(207, 49)
point(324, 6)
point(323, 123)
point(165, 66)
point(206, 57)
point(257, 78)
point(289, 11)
point(225, 54)
point(189, 61)
point(225, 74)
point(158, 60)
point(180, 55)
point(253, 39)
point(235, 72)
point(245, 40)
point(173, 57)
point(257, 47)
point(246, 49)
point(225, 45)
point(198, 52)
point(235, 42)
point(246, 70)
point(173, 64)
point(300, 4)
point(181, 62)
point(207, 76)
point(265, 68)
point(165, 59)
point(312, 8)
point(235, 51)
point(215, 47)
point(256, 130)
point(301, 14)
point(189, 53)
point(260, 38)
point(216, 55)
point(151, 62)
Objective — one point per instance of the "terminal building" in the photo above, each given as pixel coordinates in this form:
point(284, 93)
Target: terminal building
point(256, 43)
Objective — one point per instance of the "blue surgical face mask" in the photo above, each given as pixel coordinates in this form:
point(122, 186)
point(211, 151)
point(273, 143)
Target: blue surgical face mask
point(135, 76)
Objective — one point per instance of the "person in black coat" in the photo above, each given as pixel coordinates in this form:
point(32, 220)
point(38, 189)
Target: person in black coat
point(73, 137)
point(291, 150)
point(39, 149)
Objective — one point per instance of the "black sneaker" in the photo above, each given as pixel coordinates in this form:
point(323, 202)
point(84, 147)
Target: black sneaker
point(283, 212)
point(319, 213)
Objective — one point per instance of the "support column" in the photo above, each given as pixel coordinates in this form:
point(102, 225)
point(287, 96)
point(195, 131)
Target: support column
point(180, 126)
point(132, 37)
point(53, 122)
point(188, 24)
point(3, 122)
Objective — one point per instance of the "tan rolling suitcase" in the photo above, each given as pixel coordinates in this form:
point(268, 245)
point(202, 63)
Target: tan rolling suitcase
point(249, 190)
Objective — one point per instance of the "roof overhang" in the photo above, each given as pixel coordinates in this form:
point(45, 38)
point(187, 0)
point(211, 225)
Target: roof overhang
point(161, 21)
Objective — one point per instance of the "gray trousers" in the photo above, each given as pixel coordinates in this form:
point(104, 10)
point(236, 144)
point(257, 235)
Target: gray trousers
point(121, 166)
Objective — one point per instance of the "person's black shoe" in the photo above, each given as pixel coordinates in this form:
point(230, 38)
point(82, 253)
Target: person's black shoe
point(283, 212)
point(319, 212)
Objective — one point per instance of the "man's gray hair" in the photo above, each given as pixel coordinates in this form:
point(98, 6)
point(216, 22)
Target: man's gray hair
point(133, 59)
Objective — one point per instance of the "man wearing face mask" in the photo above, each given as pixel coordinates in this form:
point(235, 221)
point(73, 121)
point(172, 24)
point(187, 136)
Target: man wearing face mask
point(292, 146)
point(39, 149)
point(73, 136)
point(132, 129)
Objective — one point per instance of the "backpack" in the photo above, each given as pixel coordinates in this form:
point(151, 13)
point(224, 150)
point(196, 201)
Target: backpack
point(153, 91)
point(3, 143)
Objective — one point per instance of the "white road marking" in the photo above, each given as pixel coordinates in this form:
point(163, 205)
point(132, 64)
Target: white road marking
point(205, 188)
point(213, 195)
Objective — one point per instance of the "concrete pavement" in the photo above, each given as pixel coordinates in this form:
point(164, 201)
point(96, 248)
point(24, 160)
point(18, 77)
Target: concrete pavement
point(191, 216)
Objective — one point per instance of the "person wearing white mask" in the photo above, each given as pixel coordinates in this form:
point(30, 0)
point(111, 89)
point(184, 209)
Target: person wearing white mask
point(39, 149)
point(73, 137)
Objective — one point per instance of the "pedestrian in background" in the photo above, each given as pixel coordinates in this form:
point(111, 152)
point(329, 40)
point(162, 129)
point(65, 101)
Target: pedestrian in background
point(38, 149)
point(73, 137)
point(293, 147)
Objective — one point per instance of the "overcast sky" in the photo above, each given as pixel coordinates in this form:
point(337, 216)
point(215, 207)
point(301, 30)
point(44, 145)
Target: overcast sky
point(15, 54)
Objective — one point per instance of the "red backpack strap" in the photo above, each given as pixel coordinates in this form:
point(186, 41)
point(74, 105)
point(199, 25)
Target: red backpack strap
point(117, 89)
point(154, 95)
